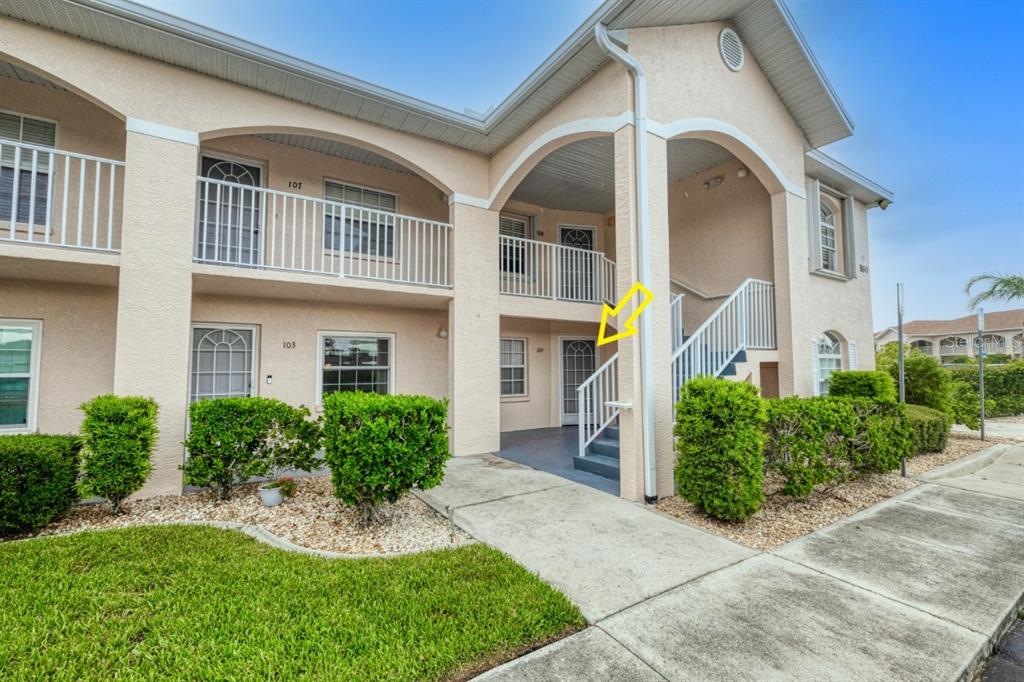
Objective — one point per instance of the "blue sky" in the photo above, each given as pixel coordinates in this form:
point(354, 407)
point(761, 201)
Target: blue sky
point(935, 90)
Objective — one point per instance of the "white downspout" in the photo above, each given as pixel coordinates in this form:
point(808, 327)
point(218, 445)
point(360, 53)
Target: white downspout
point(643, 250)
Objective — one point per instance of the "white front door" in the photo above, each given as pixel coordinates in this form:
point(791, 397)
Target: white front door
point(578, 362)
point(577, 265)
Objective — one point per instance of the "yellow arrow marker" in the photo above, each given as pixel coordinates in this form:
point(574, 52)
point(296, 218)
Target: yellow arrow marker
point(627, 327)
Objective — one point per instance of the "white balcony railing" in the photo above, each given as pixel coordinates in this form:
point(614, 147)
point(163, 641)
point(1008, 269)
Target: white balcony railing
point(253, 227)
point(545, 270)
point(59, 198)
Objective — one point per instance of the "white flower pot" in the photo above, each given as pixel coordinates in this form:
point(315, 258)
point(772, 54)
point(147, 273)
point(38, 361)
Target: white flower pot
point(270, 497)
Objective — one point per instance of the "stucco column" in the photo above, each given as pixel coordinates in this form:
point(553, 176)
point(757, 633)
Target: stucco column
point(627, 272)
point(789, 245)
point(155, 291)
point(474, 332)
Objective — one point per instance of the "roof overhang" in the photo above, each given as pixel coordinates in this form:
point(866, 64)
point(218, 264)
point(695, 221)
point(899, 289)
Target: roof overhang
point(846, 180)
point(765, 26)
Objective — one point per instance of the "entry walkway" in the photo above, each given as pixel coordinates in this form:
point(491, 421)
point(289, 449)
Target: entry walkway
point(551, 450)
point(916, 588)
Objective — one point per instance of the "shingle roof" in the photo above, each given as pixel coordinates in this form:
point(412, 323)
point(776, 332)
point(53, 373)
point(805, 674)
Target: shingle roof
point(1004, 320)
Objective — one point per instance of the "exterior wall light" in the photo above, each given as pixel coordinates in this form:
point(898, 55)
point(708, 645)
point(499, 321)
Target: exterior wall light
point(442, 333)
point(714, 182)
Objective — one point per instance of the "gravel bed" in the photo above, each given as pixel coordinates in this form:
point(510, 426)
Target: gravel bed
point(782, 519)
point(313, 518)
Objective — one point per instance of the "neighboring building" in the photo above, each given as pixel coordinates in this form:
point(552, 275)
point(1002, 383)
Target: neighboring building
point(949, 339)
point(187, 215)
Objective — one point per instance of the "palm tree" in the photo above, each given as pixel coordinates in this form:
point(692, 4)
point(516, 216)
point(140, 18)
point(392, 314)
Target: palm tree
point(1000, 288)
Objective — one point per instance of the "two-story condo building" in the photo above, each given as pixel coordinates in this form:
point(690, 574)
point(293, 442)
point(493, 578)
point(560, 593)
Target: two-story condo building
point(187, 215)
point(948, 340)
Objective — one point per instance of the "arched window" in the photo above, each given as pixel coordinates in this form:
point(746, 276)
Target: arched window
point(1018, 344)
point(830, 359)
point(827, 228)
point(953, 345)
point(922, 345)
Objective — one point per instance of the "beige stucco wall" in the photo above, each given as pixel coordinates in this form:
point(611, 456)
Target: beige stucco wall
point(77, 361)
point(541, 407)
point(718, 237)
point(420, 364)
point(840, 305)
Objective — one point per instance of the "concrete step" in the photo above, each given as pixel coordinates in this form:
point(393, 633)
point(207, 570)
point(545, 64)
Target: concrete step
point(606, 467)
point(611, 433)
point(604, 446)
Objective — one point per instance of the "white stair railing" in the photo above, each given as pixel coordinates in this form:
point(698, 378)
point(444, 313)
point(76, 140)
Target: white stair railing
point(676, 305)
point(745, 320)
point(530, 267)
point(597, 401)
point(255, 227)
point(59, 198)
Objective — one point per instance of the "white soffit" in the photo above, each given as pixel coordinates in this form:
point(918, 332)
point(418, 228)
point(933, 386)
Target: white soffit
point(765, 26)
point(581, 175)
point(8, 70)
point(845, 179)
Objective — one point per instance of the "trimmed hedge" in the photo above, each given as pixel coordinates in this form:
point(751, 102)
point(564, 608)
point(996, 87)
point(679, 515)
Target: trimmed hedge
point(808, 441)
point(720, 439)
point(234, 439)
point(118, 434)
point(812, 441)
point(1004, 387)
point(379, 447)
point(874, 384)
point(929, 428)
point(37, 480)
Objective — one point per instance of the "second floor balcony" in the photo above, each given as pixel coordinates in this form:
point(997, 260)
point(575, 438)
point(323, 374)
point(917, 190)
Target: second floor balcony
point(254, 227)
point(57, 198)
point(539, 269)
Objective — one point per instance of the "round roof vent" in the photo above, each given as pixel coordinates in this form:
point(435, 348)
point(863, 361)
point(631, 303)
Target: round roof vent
point(731, 48)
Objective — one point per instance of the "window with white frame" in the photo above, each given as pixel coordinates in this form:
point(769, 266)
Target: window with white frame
point(33, 168)
point(356, 362)
point(368, 216)
point(828, 233)
point(20, 347)
point(830, 359)
point(513, 367)
point(513, 251)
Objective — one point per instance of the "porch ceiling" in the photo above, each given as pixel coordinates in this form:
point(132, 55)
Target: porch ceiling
point(765, 26)
point(339, 149)
point(8, 70)
point(581, 175)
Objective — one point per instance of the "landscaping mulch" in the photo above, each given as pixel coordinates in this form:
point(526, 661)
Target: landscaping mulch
point(782, 519)
point(313, 518)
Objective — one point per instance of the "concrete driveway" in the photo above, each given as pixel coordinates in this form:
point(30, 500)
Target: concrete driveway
point(916, 588)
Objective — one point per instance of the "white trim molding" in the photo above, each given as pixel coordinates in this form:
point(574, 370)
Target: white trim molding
point(159, 130)
point(674, 129)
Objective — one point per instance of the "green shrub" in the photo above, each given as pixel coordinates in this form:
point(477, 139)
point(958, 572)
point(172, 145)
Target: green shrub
point(720, 438)
point(379, 447)
point(813, 441)
point(234, 439)
point(118, 434)
point(961, 360)
point(926, 381)
point(882, 436)
point(1004, 387)
point(37, 480)
point(808, 441)
point(997, 358)
point(876, 384)
point(929, 428)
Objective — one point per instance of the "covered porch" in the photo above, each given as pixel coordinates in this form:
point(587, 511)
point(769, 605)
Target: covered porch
point(552, 450)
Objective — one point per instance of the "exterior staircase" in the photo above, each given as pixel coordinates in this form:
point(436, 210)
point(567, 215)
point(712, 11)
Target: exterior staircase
point(745, 321)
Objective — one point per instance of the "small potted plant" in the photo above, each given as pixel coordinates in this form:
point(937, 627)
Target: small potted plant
point(270, 493)
point(288, 486)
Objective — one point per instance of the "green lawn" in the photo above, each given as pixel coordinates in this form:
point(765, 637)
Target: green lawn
point(199, 603)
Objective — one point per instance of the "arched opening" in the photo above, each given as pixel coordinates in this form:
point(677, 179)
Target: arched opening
point(952, 347)
point(922, 346)
point(720, 222)
point(316, 204)
point(557, 242)
point(61, 163)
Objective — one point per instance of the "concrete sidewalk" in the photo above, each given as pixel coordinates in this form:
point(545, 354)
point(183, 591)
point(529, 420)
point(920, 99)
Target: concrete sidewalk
point(916, 588)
